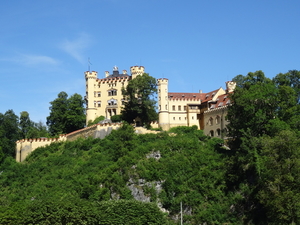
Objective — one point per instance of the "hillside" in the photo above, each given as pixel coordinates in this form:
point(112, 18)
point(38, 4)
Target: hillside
point(93, 181)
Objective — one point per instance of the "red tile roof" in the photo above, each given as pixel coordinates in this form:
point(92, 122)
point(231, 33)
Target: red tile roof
point(222, 100)
point(185, 96)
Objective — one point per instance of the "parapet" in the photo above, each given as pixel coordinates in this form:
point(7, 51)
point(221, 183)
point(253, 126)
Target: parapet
point(137, 70)
point(162, 80)
point(90, 74)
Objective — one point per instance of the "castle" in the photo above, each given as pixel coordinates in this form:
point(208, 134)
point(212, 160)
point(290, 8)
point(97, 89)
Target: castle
point(104, 98)
point(205, 110)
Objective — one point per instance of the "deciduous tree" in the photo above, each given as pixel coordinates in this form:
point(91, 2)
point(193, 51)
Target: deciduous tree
point(67, 114)
point(140, 101)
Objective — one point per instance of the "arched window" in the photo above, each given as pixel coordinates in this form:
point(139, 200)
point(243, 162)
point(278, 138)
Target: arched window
point(218, 119)
point(112, 102)
point(211, 133)
point(218, 132)
point(210, 121)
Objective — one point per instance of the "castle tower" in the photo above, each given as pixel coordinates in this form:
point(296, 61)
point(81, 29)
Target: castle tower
point(163, 103)
point(90, 81)
point(136, 70)
point(230, 86)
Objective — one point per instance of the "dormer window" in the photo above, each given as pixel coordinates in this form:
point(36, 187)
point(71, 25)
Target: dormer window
point(220, 104)
point(183, 96)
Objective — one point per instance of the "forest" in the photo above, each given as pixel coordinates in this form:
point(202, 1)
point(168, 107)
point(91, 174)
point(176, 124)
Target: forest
point(252, 177)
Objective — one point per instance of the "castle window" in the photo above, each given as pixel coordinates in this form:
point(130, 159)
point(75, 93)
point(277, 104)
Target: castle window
point(192, 117)
point(218, 132)
point(184, 108)
point(112, 93)
point(99, 104)
point(220, 104)
point(211, 133)
point(94, 93)
point(95, 103)
point(210, 121)
point(112, 102)
point(179, 118)
point(173, 107)
point(173, 118)
point(99, 94)
point(159, 107)
point(166, 107)
point(179, 108)
point(184, 118)
point(218, 119)
point(158, 90)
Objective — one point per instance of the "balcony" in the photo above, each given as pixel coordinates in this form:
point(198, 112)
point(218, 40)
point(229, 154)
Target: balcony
point(112, 106)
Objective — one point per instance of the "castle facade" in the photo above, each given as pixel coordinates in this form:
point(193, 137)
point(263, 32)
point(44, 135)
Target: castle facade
point(104, 95)
point(205, 110)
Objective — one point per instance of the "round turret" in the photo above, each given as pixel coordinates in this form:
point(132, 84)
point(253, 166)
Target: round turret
point(163, 103)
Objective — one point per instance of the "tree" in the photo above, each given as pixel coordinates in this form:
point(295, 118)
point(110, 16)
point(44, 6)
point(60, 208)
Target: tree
point(279, 191)
point(75, 117)
point(38, 130)
point(291, 79)
point(254, 105)
point(25, 124)
point(139, 100)
point(9, 132)
point(66, 115)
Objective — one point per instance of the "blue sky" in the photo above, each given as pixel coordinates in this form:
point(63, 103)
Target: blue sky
point(45, 45)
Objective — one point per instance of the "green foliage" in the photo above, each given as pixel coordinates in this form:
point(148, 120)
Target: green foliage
point(264, 123)
point(66, 114)
point(9, 133)
point(280, 178)
point(139, 100)
point(116, 118)
point(97, 120)
point(79, 182)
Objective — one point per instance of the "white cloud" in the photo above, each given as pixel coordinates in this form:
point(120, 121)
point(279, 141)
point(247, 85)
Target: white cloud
point(76, 47)
point(32, 60)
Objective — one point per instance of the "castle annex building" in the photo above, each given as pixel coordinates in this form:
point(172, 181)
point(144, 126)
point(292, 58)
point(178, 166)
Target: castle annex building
point(205, 110)
point(104, 95)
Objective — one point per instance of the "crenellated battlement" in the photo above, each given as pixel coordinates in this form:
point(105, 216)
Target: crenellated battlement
point(137, 70)
point(90, 74)
point(25, 146)
point(162, 80)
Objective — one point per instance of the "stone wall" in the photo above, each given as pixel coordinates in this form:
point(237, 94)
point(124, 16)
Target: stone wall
point(26, 146)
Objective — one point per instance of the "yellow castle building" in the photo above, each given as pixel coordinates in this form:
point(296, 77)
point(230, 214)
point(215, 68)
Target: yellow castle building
point(205, 110)
point(104, 95)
